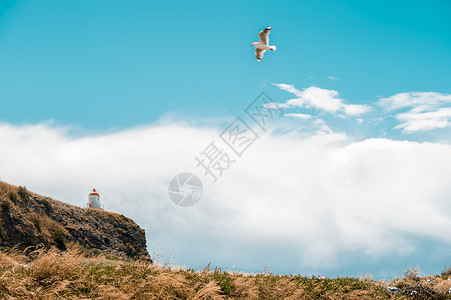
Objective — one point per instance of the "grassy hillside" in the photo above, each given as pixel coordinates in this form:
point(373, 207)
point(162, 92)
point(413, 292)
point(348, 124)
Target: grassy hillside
point(28, 219)
point(54, 274)
point(53, 250)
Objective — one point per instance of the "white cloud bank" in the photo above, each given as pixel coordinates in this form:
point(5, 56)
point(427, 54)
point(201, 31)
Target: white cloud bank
point(321, 99)
point(299, 205)
point(425, 110)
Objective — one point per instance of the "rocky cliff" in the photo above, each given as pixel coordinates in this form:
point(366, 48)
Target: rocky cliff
point(28, 219)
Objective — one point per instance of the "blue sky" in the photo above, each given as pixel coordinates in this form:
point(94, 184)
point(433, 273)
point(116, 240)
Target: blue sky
point(354, 179)
point(132, 63)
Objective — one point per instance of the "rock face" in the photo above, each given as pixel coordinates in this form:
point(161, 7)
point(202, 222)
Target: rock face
point(29, 219)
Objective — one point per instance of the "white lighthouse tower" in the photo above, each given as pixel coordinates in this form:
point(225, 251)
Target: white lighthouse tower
point(94, 200)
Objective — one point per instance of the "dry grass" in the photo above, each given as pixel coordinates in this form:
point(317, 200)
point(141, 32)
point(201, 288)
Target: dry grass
point(80, 273)
point(52, 274)
point(28, 219)
point(52, 266)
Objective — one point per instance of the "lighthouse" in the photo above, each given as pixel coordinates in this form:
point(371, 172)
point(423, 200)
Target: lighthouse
point(94, 200)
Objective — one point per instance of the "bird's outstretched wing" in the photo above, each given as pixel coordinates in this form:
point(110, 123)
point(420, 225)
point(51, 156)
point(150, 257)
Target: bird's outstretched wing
point(259, 53)
point(264, 36)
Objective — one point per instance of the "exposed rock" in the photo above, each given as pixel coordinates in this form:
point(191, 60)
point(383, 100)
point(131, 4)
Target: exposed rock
point(420, 291)
point(28, 219)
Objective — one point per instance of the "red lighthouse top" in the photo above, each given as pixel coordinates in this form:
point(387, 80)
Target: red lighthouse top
point(94, 192)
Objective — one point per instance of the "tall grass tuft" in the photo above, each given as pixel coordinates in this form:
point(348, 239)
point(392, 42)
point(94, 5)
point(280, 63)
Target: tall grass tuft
point(51, 266)
point(72, 274)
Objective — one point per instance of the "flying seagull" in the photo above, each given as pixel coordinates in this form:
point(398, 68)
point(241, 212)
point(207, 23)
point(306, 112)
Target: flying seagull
point(263, 44)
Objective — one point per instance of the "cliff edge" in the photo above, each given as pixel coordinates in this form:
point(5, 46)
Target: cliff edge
point(28, 219)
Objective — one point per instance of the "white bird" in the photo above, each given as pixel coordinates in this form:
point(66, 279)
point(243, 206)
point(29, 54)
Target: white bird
point(393, 289)
point(263, 44)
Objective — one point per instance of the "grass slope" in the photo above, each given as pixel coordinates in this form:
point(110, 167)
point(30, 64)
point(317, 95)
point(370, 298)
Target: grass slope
point(55, 274)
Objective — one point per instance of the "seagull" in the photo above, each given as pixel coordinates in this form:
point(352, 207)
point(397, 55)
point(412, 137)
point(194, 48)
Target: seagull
point(262, 45)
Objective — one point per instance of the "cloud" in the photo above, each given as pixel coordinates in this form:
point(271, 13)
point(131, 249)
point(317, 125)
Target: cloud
point(322, 126)
point(425, 113)
point(420, 101)
point(414, 121)
point(289, 88)
point(321, 99)
point(415, 111)
point(294, 204)
point(299, 116)
point(355, 110)
point(332, 78)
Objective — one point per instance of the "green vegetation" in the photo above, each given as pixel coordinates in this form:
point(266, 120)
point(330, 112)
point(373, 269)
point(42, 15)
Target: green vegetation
point(71, 274)
point(47, 205)
point(23, 193)
point(59, 238)
point(13, 197)
point(37, 223)
point(5, 204)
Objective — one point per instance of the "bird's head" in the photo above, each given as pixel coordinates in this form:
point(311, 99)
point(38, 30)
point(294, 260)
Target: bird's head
point(253, 44)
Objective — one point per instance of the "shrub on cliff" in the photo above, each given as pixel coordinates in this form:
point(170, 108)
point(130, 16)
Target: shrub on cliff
point(23, 193)
point(13, 197)
point(5, 204)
